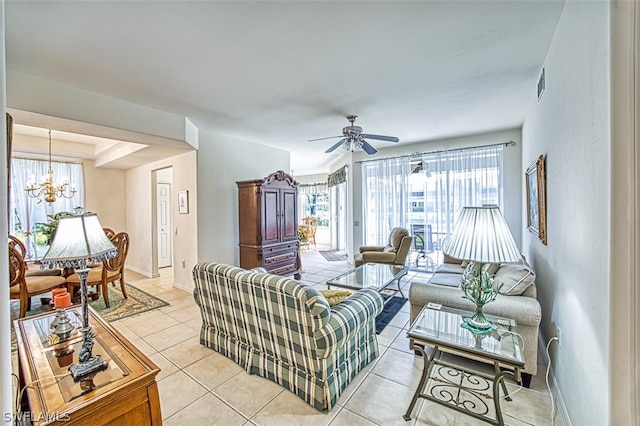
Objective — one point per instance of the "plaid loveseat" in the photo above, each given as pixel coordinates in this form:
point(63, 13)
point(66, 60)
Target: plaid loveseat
point(285, 331)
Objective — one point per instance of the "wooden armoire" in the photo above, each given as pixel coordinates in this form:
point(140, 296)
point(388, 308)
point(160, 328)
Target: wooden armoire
point(268, 218)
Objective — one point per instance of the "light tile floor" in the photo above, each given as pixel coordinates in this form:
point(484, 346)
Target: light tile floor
point(201, 387)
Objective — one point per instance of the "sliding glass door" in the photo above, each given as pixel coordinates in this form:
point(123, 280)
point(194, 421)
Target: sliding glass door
point(426, 193)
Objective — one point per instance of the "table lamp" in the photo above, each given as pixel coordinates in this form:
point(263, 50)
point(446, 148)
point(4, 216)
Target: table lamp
point(79, 240)
point(481, 235)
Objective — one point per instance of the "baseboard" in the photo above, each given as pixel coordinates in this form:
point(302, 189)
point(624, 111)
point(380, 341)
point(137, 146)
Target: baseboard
point(142, 272)
point(183, 287)
point(555, 390)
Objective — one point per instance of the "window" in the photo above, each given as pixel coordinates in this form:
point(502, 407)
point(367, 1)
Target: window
point(27, 213)
point(313, 201)
point(428, 191)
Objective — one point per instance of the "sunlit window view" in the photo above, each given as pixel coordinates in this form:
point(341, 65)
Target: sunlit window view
point(426, 193)
point(32, 219)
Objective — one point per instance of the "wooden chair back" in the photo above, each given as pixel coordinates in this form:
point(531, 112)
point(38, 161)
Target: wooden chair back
point(16, 243)
point(121, 241)
point(109, 232)
point(16, 266)
point(312, 224)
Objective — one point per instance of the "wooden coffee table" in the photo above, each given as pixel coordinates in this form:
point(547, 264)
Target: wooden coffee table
point(377, 276)
point(466, 391)
point(125, 394)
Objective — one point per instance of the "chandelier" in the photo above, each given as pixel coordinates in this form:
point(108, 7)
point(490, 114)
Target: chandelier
point(47, 188)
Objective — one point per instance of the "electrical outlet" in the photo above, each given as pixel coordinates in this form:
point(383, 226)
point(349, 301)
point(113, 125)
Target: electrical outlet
point(558, 334)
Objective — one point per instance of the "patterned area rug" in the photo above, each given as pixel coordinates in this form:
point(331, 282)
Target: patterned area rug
point(137, 302)
point(333, 255)
point(391, 308)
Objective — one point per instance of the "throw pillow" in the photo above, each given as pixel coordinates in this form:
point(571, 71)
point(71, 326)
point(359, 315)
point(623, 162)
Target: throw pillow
point(472, 267)
point(490, 268)
point(335, 296)
point(515, 278)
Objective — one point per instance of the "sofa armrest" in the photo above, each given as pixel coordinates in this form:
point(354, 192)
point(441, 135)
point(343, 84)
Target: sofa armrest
point(346, 318)
point(371, 248)
point(378, 257)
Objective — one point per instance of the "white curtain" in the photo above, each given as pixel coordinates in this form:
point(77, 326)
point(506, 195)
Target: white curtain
point(307, 197)
point(451, 180)
point(27, 212)
point(428, 191)
point(385, 200)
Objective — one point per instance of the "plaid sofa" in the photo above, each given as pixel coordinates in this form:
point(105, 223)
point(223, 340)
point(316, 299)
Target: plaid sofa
point(285, 331)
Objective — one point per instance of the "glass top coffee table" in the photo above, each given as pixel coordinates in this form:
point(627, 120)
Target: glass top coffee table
point(452, 386)
point(377, 276)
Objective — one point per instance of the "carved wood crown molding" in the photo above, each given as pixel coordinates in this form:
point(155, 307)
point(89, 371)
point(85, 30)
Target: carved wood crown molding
point(280, 176)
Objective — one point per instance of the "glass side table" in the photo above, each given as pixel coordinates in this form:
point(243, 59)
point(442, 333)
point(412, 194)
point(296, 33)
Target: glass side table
point(377, 276)
point(466, 391)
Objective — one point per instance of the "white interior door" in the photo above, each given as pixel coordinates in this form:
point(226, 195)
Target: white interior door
point(339, 217)
point(164, 224)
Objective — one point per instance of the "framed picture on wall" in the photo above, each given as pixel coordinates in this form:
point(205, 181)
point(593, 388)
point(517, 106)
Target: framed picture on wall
point(183, 202)
point(537, 200)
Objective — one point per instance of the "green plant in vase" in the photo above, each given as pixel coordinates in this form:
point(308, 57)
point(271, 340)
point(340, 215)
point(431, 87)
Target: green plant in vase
point(47, 230)
point(480, 288)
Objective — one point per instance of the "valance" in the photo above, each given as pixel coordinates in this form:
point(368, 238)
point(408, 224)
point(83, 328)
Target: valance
point(337, 177)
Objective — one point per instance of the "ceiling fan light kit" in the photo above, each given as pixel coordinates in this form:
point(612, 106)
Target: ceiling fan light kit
point(353, 139)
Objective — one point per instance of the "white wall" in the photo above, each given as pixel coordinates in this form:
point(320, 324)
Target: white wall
point(105, 195)
point(512, 181)
point(221, 162)
point(140, 201)
point(571, 126)
point(41, 96)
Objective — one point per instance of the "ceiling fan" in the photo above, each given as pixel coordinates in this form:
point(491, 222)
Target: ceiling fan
point(353, 138)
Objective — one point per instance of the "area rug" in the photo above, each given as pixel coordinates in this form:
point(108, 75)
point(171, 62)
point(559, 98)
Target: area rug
point(333, 255)
point(391, 308)
point(137, 302)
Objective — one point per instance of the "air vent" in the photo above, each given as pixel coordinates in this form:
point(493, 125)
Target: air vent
point(541, 85)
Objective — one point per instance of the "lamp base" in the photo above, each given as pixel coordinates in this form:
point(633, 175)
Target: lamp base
point(478, 324)
point(86, 370)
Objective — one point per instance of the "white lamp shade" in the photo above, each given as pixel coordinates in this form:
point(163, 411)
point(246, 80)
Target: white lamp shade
point(79, 240)
point(482, 235)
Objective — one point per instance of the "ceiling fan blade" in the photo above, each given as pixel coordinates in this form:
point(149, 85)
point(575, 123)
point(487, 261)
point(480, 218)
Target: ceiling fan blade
point(382, 138)
point(333, 148)
point(367, 148)
point(321, 139)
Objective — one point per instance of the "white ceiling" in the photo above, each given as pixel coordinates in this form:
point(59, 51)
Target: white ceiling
point(279, 73)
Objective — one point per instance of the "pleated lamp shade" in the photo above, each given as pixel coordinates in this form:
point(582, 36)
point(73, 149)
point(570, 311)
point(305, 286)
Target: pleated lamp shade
point(482, 235)
point(79, 240)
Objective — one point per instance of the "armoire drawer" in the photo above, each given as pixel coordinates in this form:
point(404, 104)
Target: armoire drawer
point(284, 254)
point(283, 269)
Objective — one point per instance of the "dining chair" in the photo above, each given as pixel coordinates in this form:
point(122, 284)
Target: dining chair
point(110, 271)
point(312, 226)
point(34, 270)
point(109, 232)
point(24, 287)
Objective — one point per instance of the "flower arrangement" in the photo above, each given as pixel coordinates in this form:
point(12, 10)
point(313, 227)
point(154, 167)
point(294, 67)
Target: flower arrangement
point(480, 288)
point(302, 234)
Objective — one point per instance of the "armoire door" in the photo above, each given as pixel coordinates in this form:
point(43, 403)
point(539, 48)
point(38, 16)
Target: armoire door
point(270, 216)
point(289, 215)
